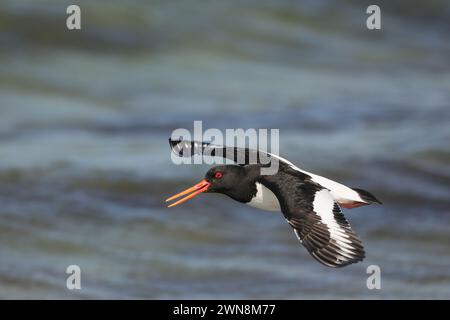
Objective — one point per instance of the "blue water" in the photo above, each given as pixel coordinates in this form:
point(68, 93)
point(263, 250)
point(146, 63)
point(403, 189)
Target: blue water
point(85, 165)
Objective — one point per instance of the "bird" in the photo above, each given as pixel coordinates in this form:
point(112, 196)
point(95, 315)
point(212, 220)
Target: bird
point(311, 204)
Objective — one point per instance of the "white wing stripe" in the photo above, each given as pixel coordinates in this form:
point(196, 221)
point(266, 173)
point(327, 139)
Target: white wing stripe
point(323, 205)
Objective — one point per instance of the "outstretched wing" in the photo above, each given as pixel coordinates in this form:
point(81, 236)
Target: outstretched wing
point(241, 156)
point(317, 220)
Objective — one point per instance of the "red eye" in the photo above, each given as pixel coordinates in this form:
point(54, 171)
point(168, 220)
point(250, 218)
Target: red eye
point(218, 175)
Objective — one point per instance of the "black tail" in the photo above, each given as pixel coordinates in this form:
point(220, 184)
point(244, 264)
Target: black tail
point(367, 196)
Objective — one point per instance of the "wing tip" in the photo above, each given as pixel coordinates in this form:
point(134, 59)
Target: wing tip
point(339, 263)
point(367, 196)
point(184, 148)
point(173, 142)
point(175, 147)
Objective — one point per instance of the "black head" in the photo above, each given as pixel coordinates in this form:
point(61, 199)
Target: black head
point(224, 178)
point(237, 182)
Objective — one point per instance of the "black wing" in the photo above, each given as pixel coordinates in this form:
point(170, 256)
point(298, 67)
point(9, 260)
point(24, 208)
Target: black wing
point(317, 220)
point(241, 156)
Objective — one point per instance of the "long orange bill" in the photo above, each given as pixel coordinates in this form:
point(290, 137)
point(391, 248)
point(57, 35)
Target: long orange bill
point(200, 187)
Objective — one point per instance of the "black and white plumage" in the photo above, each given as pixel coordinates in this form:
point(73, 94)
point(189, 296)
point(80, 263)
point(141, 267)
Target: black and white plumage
point(317, 220)
point(310, 203)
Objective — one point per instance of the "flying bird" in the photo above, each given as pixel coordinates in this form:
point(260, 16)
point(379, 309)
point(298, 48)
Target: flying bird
point(310, 203)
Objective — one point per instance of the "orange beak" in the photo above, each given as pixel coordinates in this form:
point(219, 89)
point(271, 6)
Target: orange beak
point(200, 187)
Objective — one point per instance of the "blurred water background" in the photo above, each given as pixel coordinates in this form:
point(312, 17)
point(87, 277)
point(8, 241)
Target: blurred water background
point(85, 164)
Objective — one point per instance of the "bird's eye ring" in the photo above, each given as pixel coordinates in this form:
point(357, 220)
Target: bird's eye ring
point(218, 175)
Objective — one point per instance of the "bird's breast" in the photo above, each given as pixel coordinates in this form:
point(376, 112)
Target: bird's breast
point(264, 199)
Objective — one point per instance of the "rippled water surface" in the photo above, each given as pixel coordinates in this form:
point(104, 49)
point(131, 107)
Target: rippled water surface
point(85, 165)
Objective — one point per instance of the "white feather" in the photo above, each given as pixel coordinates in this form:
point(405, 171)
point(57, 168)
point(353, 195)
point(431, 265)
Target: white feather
point(339, 192)
point(264, 199)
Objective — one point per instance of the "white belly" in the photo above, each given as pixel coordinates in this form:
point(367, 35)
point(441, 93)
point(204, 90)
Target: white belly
point(264, 199)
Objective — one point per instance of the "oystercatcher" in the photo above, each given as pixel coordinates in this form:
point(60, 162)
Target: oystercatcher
point(310, 203)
